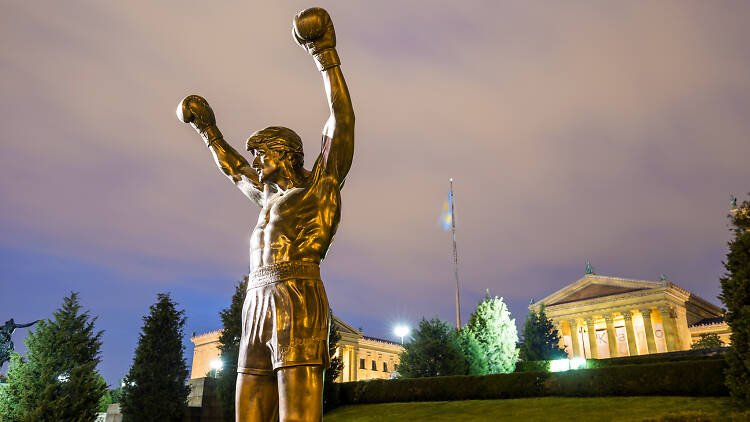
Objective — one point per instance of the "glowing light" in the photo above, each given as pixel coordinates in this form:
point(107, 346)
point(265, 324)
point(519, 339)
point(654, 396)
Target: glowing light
point(401, 331)
point(559, 365)
point(217, 364)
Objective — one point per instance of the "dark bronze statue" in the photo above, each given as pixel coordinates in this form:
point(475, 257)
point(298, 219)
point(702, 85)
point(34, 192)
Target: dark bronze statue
point(6, 331)
point(286, 318)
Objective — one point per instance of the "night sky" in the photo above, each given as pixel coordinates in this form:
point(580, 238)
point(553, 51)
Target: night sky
point(611, 131)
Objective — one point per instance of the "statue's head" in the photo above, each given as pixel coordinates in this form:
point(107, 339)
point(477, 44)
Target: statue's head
point(273, 147)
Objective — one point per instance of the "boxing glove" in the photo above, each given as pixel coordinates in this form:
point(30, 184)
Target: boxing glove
point(195, 110)
point(313, 30)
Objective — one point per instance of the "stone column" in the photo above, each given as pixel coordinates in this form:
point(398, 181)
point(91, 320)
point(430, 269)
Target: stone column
point(669, 324)
point(560, 335)
point(611, 338)
point(650, 340)
point(592, 338)
point(632, 347)
point(355, 364)
point(574, 338)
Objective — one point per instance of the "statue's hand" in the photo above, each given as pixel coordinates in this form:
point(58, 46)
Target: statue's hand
point(313, 30)
point(195, 110)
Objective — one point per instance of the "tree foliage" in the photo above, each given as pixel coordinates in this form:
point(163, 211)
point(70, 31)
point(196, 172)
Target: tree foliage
point(541, 340)
point(57, 381)
point(707, 341)
point(433, 351)
point(496, 334)
point(337, 365)
point(735, 293)
point(229, 346)
point(476, 361)
point(155, 388)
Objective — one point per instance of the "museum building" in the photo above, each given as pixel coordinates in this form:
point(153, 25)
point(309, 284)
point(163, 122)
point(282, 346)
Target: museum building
point(628, 317)
point(364, 358)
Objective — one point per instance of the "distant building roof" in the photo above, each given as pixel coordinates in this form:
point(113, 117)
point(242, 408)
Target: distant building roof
point(709, 321)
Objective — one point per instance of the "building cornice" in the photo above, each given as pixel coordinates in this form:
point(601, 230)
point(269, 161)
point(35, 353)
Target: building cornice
point(202, 338)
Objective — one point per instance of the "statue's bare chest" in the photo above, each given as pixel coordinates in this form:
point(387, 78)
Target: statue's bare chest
point(289, 211)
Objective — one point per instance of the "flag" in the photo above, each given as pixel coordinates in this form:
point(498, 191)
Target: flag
point(446, 218)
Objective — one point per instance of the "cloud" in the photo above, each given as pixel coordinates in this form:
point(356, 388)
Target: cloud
point(605, 131)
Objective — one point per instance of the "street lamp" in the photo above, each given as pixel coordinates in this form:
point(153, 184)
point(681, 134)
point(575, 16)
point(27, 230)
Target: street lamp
point(401, 331)
point(216, 366)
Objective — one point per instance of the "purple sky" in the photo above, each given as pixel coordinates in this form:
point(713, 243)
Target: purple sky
point(605, 131)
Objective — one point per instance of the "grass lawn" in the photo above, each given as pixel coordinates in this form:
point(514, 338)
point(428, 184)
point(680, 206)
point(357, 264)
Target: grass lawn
point(587, 409)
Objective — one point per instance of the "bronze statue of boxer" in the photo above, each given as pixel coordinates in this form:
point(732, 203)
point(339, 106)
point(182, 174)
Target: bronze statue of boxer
point(286, 318)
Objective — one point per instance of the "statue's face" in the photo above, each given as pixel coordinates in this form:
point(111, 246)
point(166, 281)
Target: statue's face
point(267, 162)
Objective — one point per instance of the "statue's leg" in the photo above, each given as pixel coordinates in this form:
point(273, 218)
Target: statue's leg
point(256, 399)
point(300, 393)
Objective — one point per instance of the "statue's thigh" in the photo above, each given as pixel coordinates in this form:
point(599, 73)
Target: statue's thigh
point(301, 393)
point(256, 398)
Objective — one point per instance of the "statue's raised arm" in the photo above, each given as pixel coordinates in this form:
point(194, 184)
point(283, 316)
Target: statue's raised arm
point(27, 325)
point(313, 31)
point(195, 110)
point(6, 331)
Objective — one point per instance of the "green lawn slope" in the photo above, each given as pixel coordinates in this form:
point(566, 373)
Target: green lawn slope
point(609, 409)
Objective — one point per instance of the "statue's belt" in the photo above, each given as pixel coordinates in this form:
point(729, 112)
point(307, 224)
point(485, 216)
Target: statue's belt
point(290, 270)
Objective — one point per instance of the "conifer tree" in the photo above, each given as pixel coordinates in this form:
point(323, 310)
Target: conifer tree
point(476, 361)
point(496, 333)
point(57, 381)
point(229, 346)
point(433, 351)
point(330, 389)
point(155, 388)
point(735, 293)
point(541, 340)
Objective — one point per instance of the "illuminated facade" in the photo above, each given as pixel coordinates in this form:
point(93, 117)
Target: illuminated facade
point(364, 357)
point(599, 317)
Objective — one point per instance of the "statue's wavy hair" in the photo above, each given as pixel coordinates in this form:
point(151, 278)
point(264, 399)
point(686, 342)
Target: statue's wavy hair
point(280, 139)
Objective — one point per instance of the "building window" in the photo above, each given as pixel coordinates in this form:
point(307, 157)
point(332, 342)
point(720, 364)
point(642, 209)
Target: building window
point(362, 364)
point(374, 366)
point(395, 367)
point(385, 367)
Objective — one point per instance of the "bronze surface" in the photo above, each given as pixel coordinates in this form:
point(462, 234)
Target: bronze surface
point(300, 209)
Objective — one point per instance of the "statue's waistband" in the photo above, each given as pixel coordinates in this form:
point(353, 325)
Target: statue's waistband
point(283, 271)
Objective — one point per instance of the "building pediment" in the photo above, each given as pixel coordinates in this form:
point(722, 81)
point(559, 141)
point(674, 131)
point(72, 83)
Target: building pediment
point(343, 327)
point(593, 291)
point(593, 286)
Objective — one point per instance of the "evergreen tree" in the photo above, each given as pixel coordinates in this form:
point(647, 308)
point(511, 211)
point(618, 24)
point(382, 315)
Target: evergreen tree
point(330, 389)
point(229, 346)
point(116, 393)
point(155, 388)
point(57, 381)
point(476, 362)
point(735, 293)
point(434, 351)
point(496, 333)
point(541, 340)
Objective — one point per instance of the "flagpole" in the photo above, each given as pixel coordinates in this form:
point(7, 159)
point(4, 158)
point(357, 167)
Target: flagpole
point(455, 259)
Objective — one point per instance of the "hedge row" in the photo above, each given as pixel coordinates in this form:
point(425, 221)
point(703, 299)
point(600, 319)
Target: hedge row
point(688, 378)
